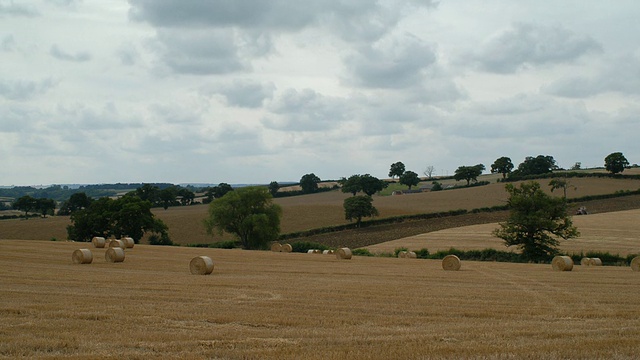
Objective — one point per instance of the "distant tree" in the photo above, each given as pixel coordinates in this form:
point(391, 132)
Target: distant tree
point(77, 201)
point(25, 203)
point(436, 186)
point(309, 183)
point(409, 178)
point(221, 190)
point(148, 192)
point(428, 172)
point(167, 196)
point(186, 196)
point(615, 162)
point(351, 185)
point(563, 184)
point(502, 165)
point(397, 169)
point(371, 184)
point(248, 213)
point(468, 173)
point(536, 221)
point(576, 166)
point(357, 207)
point(45, 206)
point(273, 188)
point(128, 215)
point(540, 164)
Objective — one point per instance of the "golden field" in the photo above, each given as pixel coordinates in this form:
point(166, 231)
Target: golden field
point(259, 304)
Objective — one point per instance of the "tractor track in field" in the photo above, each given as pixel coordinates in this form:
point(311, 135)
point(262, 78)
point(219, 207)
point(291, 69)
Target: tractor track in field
point(356, 238)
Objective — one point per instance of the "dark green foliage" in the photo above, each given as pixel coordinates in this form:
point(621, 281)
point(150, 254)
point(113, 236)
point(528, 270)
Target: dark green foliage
point(160, 239)
point(422, 253)
point(468, 173)
point(410, 179)
point(536, 221)
point(361, 252)
point(396, 169)
point(304, 246)
point(309, 183)
point(502, 165)
point(540, 164)
point(365, 183)
point(436, 186)
point(229, 244)
point(397, 251)
point(607, 258)
point(25, 203)
point(357, 207)
point(273, 188)
point(615, 162)
point(248, 213)
point(77, 201)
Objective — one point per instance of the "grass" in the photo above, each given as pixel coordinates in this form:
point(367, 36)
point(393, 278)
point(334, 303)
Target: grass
point(298, 306)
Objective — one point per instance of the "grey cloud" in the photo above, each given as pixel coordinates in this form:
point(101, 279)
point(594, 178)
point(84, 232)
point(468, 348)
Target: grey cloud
point(200, 51)
point(65, 3)
point(620, 75)
point(58, 53)
point(12, 9)
point(80, 117)
point(247, 94)
point(8, 43)
point(391, 63)
point(24, 90)
point(306, 110)
point(531, 45)
point(127, 54)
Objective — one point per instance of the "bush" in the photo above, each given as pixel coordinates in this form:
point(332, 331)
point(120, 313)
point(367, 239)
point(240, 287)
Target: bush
point(304, 246)
point(160, 239)
point(606, 257)
point(422, 254)
point(398, 250)
point(229, 244)
point(361, 252)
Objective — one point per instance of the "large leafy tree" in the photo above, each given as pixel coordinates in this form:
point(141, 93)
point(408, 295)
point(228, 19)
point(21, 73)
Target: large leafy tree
point(502, 165)
point(396, 169)
point(410, 179)
point(168, 197)
point(105, 217)
point(357, 207)
point(371, 184)
point(352, 184)
point(46, 206)
point(468, 173)
point(273, 188)
point(309, 183)
point(615, 162)
point(186, 196)
point(25, 203)
point(536, 222)
point(77, 201)
point(248, 213)
point(540, 164)
point(563, 184)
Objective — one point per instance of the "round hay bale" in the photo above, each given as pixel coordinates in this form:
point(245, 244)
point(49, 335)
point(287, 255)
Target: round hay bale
point(317, 251)
point(117, 243)
point(402, 254)
point(451, 263)
point(128, 242)
point(276, 247)
point(201, 265)
point(585, 261)
point(344, 254)
point(114, 254)
point(595, 262)
point(562, 263)
point(311, 251)
point(635, 263)
point(286, 248)
point(328, 252)
point(82, 256)
point(411, 255)
point(98, 242)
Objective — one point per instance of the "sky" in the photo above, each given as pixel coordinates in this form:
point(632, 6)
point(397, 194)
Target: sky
point(269, 90)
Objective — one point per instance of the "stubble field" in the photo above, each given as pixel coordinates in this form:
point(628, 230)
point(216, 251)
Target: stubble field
point(301, 306)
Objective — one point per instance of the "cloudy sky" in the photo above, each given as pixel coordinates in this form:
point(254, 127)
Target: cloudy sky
point(261, 90)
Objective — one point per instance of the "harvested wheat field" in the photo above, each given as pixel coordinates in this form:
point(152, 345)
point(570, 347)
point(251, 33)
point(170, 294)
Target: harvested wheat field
point(614, 232)
point(261, 304)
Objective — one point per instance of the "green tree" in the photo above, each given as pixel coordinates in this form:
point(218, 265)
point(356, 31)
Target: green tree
point(248, 213)
point(25, 203)
point(397, 169)
point(167, 197)
point(541, 164)
point(351, 185)
point(563, 184)
point(357, 207)
point(502, 165)
point(45, 206)
point(410, 179)
point(186, 196)
point(371, 184)
point(128, 215)
point(309, 183)
point(273, 188)
point(77, 201)
point(148, 192)
point(468, 173)
point(536, 222)
point(615, 162)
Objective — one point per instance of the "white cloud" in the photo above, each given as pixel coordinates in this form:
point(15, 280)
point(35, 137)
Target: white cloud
point(60, 54)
